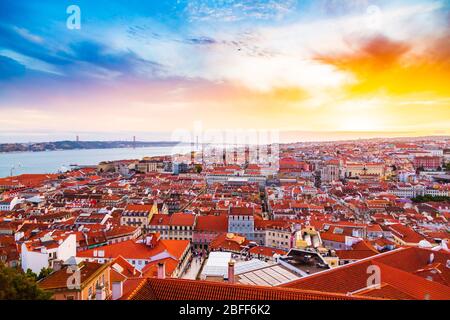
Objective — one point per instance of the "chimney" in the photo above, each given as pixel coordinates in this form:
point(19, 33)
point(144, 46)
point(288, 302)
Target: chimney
point(161, 270)
point(57, 265)
point(231, 271)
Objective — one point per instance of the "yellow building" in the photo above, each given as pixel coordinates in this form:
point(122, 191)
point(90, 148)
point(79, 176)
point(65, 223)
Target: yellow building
point(85, 281)
point(355, 170)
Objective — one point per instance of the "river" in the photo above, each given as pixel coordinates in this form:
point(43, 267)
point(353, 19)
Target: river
point(54, 161)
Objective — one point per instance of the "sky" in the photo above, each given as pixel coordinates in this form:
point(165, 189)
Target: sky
point(148, 68)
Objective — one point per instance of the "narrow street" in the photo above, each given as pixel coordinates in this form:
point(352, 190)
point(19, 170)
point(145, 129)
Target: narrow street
point(193, 269)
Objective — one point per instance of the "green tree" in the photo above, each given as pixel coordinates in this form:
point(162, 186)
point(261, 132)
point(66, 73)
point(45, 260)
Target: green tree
point(17, 285)
point(429, 198)
point(198, 168)
point(447, 167)
point(45, 272)
point(31, 274)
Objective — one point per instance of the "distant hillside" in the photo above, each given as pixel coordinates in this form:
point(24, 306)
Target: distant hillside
point(72, 145)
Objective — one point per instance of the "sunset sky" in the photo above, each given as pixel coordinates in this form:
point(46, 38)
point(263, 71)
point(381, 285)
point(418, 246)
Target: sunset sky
point(149, 67)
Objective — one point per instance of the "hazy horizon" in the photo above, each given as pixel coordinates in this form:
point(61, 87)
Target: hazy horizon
point(285, 136)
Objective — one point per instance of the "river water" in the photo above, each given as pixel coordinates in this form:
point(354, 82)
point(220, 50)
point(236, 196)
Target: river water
point(54, 161)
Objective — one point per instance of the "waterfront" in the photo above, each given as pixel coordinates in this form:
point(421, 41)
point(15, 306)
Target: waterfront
point(54, 161)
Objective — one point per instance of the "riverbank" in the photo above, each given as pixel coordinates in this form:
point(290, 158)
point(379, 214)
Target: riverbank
point(16, 163)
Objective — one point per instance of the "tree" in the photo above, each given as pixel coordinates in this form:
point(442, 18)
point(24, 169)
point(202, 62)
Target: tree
point(31, 274)
point(45, 272)
point(198, 168)
point(447, 167)
point(17, 285)
point(430, 198)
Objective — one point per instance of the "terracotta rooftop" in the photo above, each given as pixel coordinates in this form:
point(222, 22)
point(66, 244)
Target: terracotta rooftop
point(180, 289)
point(58, 279)
point(212, 223)
point(182, 219)
point(228, 241)
point(134, 250)
point(398, 270)
point(405, 233)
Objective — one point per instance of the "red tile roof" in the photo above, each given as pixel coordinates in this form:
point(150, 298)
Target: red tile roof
point(266, 251)
point(151, 269)
point(182, 219)
point(180, 289)
point(405, 233)
point(354, 254)
point(138, 207)
point(58, 279)
point(228, 242)
point(160, 219)
point(124, 267)
point(328, 236)
point(239, 211)
point(212, 223)
point(397, 268)
point(134, 250)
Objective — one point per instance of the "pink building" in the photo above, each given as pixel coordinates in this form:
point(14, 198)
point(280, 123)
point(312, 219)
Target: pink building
point(208, 228)
point(427, 162)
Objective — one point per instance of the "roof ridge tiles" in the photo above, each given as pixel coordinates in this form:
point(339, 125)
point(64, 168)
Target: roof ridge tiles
point(223, 288)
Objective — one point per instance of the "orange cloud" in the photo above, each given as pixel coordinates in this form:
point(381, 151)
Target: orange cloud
point(394, 67)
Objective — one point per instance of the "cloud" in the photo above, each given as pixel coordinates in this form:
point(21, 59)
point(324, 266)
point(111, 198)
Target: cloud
point(339, 7)
point(125, 62)
point(28, 35)
point(368, 55)
point(271, 64)
point(238, 10)
point(81, 56)
point(30, 62)
point(309, 55)
point(201, 41)
point(13, 39)
point(10, 68)
point(396, 67)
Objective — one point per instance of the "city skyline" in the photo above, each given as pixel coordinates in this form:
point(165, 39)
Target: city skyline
point(308, 66)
